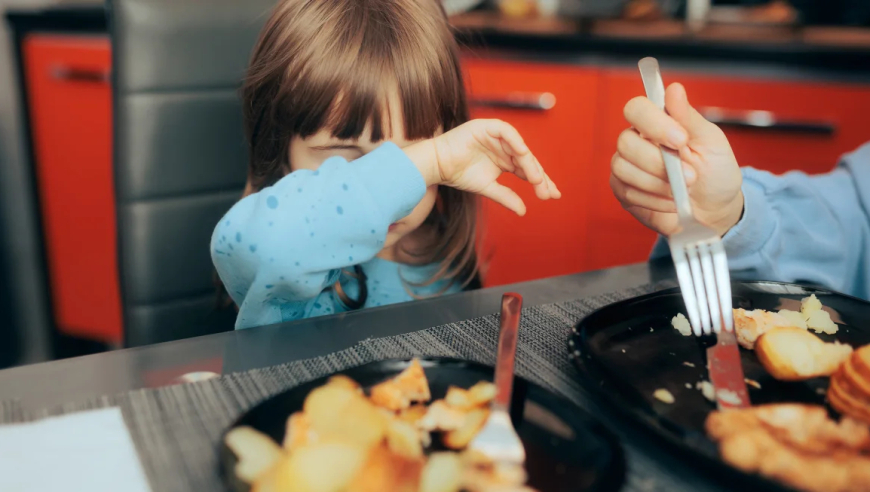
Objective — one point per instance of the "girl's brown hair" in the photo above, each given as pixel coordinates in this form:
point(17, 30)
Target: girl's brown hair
point(331, 64)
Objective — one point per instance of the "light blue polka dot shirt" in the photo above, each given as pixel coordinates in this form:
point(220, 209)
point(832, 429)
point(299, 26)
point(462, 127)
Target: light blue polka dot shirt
point(279, 251)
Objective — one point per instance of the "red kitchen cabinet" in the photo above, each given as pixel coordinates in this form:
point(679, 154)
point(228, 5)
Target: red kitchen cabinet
point(549, 239)
point(69, 101)
point(823, 120)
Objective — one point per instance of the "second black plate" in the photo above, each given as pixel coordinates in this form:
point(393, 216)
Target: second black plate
point(566, 449)
point(629, 350)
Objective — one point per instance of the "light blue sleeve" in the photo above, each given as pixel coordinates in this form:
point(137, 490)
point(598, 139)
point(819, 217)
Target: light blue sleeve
point(800, 228)
point(286, 243)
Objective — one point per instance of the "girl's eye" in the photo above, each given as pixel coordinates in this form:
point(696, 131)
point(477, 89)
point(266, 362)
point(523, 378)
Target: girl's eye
point(347, 154)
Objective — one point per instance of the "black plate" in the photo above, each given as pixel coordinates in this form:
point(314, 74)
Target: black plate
point(567, 450)
point(629, 349)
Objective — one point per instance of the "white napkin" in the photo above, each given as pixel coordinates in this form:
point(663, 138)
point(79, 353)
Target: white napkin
point(86, 451)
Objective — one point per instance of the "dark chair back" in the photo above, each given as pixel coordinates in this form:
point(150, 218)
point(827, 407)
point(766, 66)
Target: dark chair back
point(179, 154)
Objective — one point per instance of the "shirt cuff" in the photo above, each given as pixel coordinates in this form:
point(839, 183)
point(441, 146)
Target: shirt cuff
point(756, 226)
point(394, 181)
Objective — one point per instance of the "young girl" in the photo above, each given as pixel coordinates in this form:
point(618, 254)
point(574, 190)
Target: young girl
point(363, 173)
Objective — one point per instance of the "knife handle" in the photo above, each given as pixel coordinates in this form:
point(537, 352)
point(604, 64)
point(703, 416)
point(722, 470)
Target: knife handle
point(511, 306)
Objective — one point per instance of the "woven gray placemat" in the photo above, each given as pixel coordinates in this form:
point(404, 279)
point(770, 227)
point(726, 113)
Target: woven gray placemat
point(176, 429)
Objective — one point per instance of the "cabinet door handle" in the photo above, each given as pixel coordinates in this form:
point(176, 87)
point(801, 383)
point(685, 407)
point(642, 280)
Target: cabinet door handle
point(542, 101)
point(79, 74)
point(765, 121)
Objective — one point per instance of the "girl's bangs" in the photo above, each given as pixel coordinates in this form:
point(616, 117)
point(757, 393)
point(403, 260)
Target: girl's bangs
point(348, 96)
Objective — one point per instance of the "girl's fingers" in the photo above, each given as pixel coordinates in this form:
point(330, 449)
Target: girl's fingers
point(505, 196)
point(513, 145)
point(630, 196)
point(636, 177)
point(554, 191)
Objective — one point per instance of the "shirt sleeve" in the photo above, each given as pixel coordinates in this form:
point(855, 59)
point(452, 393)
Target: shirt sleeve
point(288, 242)
point(801, 228)
point(797, 227)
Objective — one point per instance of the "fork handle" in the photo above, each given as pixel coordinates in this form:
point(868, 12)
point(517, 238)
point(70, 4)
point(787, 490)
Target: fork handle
point(655, 91)
point(511, 306)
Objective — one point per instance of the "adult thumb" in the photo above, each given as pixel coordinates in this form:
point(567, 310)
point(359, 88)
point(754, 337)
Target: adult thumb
point(677, 105)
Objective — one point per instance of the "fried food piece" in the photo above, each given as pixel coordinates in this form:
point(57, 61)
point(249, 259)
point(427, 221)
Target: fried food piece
point(810, 305)
point(478, 395)
point(474, 421)
point(320, 467)
point(480, 474)
point(843, 398)
point(386, 471)
point(442, 473)
point(404, 440)
point(256, 452)
point(298, 432)
point(859, 382)
point(410, 386)
point(861, 362)
point(413, 414)
point(795, 317)
point(345, 382)
point(817, 319)
point(804, 427)
point(795, 444)
point(794, 354)
point(482, 393)
point(341, 413)
point(758, 452)
point(441, 417)
point(849, 389)
point(749, 325)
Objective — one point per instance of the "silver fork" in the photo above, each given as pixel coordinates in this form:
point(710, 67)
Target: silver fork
point(699, 257)
point(498, 440)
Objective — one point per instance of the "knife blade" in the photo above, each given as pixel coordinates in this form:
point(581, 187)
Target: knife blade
point(726, 372)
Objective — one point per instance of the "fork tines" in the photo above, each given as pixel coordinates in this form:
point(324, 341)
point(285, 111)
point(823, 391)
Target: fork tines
point(702, 270)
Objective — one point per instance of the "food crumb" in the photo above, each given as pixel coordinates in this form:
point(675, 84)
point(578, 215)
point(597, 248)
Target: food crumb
point(751, 382)
point(623, 351)
point(707, 390)
point(688, 385)
point(689, 364)
point(682, 325)
point(664, 396)
point(650, 329)
point(729, 396)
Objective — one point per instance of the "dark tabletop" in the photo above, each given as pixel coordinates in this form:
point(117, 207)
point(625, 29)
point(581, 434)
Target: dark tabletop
point(54, 383)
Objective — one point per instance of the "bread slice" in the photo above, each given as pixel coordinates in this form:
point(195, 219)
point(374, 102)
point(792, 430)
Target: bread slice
point(841, 397)
point(861, 362)
point(858, 382)
point(794, 354)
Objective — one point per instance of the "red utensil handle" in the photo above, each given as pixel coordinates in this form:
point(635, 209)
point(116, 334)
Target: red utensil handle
point(511, 306)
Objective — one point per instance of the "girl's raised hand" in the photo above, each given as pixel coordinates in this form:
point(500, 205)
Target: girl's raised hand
point(472, 156)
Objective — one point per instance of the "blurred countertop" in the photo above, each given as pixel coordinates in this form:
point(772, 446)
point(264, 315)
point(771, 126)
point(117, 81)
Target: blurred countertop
point(841, 51)
point(838, 52)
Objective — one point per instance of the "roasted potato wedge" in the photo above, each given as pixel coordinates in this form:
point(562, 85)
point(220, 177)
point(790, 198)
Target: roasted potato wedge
point(385, 471)
point(255, 451)
point(298, 432)
point(442, 473)
point(474, 421)
point(403, 439)
point(321, 467)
